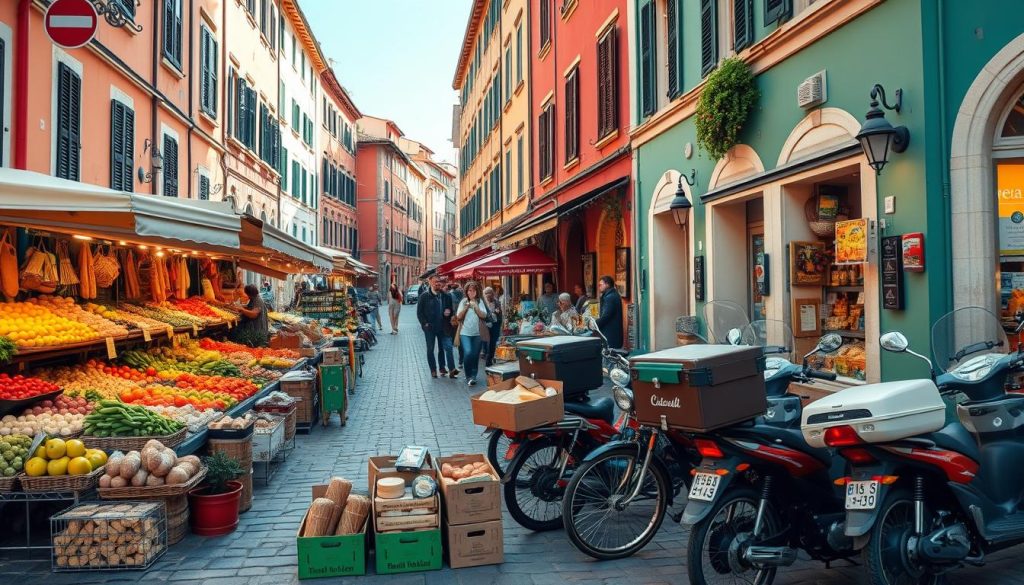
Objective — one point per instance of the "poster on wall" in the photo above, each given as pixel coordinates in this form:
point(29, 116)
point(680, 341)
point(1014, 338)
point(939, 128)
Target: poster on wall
point(806, 317)
point(852, 241)
point(590, 273)
point(1010, 195)
point(622, 272)
point(808, 263)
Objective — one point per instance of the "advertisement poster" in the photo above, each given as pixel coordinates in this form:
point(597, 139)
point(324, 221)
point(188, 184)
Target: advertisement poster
point(852, 241)
point(1010, 195)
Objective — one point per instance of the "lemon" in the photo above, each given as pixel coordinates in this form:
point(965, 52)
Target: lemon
point(58, 466)
point(40, 452)
point(55, 449)
point(75, 448)
point(79, 466)
point(36, 466)
point(96, 457)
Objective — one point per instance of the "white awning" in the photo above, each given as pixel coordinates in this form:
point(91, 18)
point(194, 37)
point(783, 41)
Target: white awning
point(274, 245)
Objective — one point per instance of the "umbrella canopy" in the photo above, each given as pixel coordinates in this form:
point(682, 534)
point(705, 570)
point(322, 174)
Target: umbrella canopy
point(526, 260)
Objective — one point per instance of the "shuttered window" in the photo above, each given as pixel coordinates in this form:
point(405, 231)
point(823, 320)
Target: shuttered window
point(204, 188)
point(170, 166)
point(208, 71)
point(743, 24)
point(245, 123)
point(326, 174)
point(122, 146)
point(172, 31)
point(519, 54)
point(546, 138)
point(69, 120)
point(675, 58)
point(777, 11)
point(572, 115)
point(283, 169)
point(520, 166)
point(230, 102)
point(608, 83)
point(3, 93)
point(708, 37)
point(296, 180)
point(648, 59)
point(545, 22)
point(127, 7)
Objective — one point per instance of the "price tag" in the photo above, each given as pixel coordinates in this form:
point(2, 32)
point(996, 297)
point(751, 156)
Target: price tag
point(230, 324)
point(111, 349)
point(21, 366)
point(146, 336)
point(174, 341)
point(170, 332)
point(36, 442)
point(195, 330)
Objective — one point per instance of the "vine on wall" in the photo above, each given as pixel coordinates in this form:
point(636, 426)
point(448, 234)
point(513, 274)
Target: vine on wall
point(725, 103)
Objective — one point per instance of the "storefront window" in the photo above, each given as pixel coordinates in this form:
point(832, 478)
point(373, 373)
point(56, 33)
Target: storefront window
point(1010, 206)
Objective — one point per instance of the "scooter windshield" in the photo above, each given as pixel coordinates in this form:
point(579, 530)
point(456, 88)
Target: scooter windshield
point(967, 341)
point(775, 337)
point(725, 322)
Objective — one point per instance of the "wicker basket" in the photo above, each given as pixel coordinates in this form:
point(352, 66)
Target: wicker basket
point(134, 443)
point(60, 483)
point(177, 518)
point(9, 484)
point(823, 228)
point(150, 492)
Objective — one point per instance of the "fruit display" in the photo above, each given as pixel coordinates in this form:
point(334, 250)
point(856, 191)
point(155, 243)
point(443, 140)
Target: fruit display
point(58, 457)
point(64, 416)
point(97, 536)
point(172, 318)
point(13, 454)
point(95, 377)
point(194, 419)
point(197, 307)
point(126, 318)
point(117, 419)
point(162, 395)
point(30, 325)
point(155, 465)
point(227, 347)
point(66, 307)
point(19, 387)
point(181, 360)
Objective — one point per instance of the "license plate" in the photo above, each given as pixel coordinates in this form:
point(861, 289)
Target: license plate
point(861, 495)
point(705, 486)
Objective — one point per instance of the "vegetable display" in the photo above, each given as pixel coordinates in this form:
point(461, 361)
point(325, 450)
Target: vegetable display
point(13, 454)
point(21, 388)
point(59, 457)
point(117, 419)
point(155, 465)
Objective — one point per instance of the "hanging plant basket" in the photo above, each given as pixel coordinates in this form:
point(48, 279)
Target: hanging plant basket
point(725, 103)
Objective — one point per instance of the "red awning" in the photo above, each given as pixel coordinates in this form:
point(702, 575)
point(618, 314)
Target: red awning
point(448, 267)
point(528, 260)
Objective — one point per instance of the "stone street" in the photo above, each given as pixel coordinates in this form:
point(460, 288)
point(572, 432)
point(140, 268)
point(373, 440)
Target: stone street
point(397, 404)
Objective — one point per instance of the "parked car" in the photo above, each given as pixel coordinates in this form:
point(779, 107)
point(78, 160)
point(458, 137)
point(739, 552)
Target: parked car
point(412, 295)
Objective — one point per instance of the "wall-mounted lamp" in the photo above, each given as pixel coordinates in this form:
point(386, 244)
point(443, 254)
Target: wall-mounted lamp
point(116, 13)
point(877, 136)
point(680, 205)
point(156, 162)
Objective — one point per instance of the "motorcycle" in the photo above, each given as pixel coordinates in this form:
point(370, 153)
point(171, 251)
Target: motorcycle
point(924, 496)
point(761, 493)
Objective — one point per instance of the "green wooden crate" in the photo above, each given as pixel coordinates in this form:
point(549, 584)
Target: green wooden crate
point(332, 388)
point(406, 552)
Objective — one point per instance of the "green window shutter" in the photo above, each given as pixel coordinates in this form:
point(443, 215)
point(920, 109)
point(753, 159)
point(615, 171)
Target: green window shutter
point(777, 11)
point(122, 147)
point(204, 188)
point(170, 166)
point(743, 24)
point(672, 32)
point(69, 119)
point(708, 37)
point(648, 64)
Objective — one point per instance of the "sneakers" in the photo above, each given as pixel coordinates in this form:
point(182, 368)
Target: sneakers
point(433, 374)
point(443, 373)
point(454, 373)
point(472, 382)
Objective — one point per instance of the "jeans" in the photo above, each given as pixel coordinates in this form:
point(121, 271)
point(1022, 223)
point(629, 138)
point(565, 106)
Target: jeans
point(472, 345)
point(443, 345)
point(492, 345)
point(376, 316)
point(446, 352)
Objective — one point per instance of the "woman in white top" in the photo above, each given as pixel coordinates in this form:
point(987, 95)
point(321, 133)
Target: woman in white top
point(472, 313)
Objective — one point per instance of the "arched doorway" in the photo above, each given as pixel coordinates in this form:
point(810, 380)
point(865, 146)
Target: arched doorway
point(669, 250)
point(609, 235)
point(572, 263)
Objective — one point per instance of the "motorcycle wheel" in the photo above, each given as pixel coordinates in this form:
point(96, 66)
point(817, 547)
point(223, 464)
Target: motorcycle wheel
point(592, 520)
point(497, 448)
point(711, 553)
point(886, 552)
point(533, 495)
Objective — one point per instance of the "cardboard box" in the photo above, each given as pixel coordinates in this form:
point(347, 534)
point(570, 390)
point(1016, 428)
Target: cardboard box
point(306, 352)
point(333, 357)
point(470, 502)
point(473, 545)
point(384, 466)
point(398, 523)
point(285, 340)
point(330, 556)
point(519, 417)
point(406, 552)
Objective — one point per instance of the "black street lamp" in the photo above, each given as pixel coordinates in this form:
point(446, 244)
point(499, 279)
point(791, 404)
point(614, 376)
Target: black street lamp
point(680, 205)
point(877, 136)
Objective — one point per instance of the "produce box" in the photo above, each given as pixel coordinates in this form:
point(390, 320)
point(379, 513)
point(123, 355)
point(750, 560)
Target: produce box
point(333, 356)
point(573, 359)
point(519, 417)
point(330, 556)
point(384, 466)
point(474, 545)
point(301, 384)
point(699, 387)
point(332, 388)
point(406, 552)
point(267, 442)
point(473, 501)
point(285, 340)
point(498, 373)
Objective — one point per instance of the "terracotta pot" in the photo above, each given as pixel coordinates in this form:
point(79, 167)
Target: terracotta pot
point(215, 515)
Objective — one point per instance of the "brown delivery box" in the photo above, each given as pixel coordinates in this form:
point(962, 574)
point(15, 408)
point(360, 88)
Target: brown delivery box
point(699, 387)
point(332, 356)
point(384, 466)
point(473, 501)
point(522, 416)
point(473, 545)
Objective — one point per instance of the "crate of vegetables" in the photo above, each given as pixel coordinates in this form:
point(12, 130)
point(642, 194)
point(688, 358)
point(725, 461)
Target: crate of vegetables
point(230, 428)
point(62, 417)
point(18, 392)
point(117, 426)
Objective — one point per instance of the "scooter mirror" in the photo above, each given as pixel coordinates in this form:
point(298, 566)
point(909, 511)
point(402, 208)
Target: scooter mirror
point(734, 337)
point(895, 342)
point(830, 342)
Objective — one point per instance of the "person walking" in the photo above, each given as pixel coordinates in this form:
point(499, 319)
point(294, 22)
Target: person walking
point(472, 314)
point(457, 296)
point(581, 298)
point(394, 306)
point(548, 302)
point(434, 312)
point(610, 319)
point(373, 299)
point(497, 311)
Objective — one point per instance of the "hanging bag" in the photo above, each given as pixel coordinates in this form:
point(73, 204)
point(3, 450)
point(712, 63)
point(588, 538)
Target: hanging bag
point(8, 267)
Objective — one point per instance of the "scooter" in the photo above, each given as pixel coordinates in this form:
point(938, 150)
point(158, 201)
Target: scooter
point(924, 496)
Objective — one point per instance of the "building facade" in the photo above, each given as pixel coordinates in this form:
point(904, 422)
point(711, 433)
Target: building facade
point(337, 150)
point(438, 190)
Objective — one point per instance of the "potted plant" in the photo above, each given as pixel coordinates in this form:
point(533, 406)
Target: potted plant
point(215, 503)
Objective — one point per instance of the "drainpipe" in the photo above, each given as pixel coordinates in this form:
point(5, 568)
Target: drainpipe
point(944, 147)
point(224, 111)
point(21, 85)
point(191, 88)
point(153, 100)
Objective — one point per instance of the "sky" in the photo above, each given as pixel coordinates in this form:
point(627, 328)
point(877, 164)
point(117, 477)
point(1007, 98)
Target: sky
point(397, 59)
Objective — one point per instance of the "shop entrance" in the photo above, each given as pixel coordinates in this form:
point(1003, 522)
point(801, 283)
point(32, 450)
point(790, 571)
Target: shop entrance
point(670, 277)
point(737, 238)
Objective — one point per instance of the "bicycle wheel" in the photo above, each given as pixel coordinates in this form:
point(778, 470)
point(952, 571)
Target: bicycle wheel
point(497, 451)
point(533, 492)
point(597, 517)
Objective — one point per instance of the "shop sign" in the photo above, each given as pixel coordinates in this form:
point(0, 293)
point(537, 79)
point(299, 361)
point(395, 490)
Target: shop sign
point(1010, 198)
point(892, 273)
point(698, 278)
point(852, 241)
point(913, 252)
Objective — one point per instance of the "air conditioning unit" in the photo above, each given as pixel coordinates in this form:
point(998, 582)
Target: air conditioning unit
point(813, 91)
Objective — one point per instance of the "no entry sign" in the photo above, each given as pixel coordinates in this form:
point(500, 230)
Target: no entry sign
point(71, 23)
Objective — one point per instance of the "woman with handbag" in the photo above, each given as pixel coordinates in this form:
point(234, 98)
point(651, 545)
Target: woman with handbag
point(472, 316)
point(394, 306)
point(494, 324)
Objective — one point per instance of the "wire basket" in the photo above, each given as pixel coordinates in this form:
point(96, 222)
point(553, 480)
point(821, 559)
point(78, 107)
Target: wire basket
point(60, 483)
point(100, 536)
point(126, 444)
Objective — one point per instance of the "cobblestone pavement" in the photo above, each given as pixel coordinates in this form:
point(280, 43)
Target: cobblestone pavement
point(396, 404)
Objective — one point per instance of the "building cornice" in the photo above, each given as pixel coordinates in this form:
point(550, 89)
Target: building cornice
point(468, 42)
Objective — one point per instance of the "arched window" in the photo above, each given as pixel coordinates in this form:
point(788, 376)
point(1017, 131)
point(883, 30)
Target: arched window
point(1013, 125)
point(1008, 154)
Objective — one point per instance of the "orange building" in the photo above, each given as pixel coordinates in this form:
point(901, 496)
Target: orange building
point(338, 116)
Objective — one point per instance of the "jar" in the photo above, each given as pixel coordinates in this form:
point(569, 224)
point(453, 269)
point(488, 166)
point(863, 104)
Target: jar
point(844, 277)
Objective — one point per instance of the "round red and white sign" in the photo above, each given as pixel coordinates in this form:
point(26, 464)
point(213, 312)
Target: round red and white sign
point(71, 23)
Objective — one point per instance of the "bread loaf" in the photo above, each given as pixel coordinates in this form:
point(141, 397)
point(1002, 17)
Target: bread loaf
point(318, 519)
point(354, 517)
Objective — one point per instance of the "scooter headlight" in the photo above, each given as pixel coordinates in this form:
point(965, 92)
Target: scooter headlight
point(619, 377)
point(623, 398)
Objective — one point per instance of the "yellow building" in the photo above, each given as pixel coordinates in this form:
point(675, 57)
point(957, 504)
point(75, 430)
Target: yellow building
point(491, 126)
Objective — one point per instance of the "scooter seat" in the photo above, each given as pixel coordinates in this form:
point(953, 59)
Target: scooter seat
point(602, 409)
point(955, 437)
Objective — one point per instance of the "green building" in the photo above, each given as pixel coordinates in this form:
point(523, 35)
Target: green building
point(764, 215)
